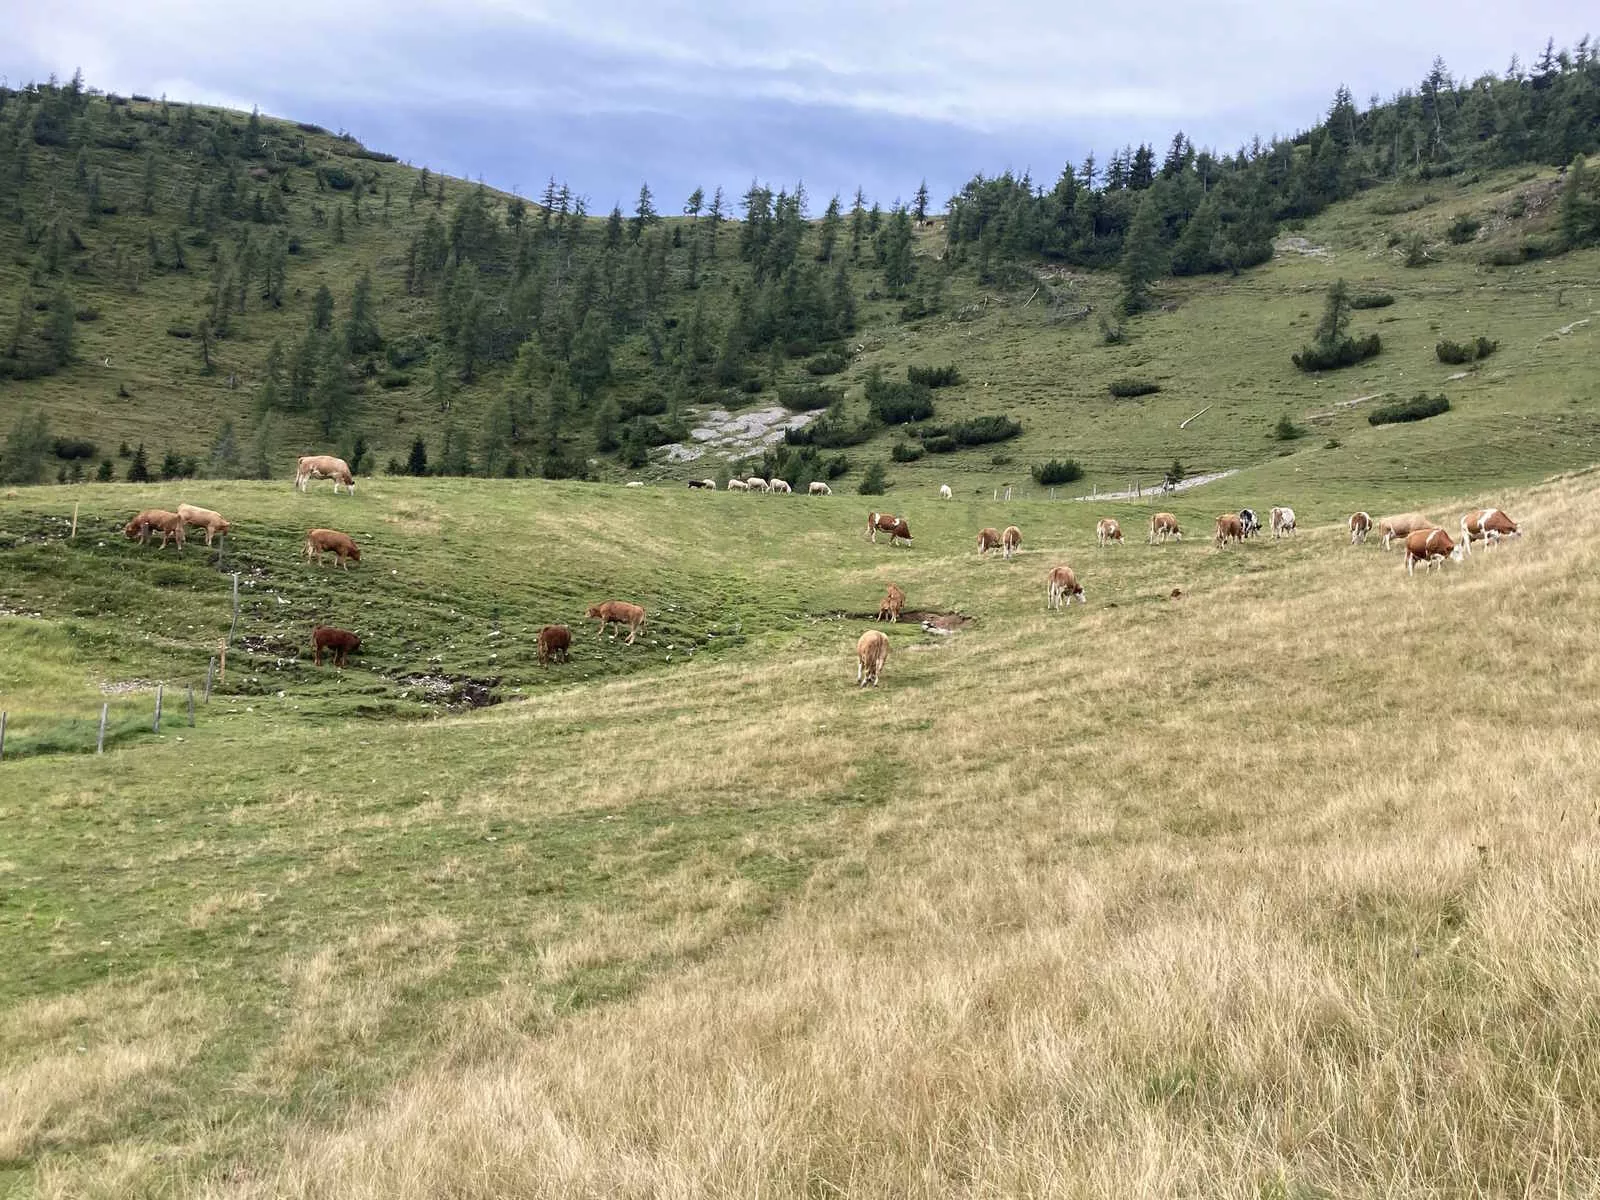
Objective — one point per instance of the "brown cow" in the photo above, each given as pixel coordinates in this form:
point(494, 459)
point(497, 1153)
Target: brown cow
point(1010, 540)
point(1360, 526)
point(338, 642)
point(893, 601)
point(342, 545)
point(872, 651)
point(1108, 531)
point(619, 613)
point(1163, 526)
point(1400, 526)
point(323, 466)
point(888, 523)
point(1430, 547)
point(988, 539)
point(213, 523)
point(1490, 524)
point(1229, 528)
point(169, 523)
point(1062, 584)
point(554, 642)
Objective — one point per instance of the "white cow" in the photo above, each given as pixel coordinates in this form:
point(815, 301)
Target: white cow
point(758, 484)
point(738, 485)
point(781, 485)
point(818, 488)
point(1282, 521)
point(944, 491)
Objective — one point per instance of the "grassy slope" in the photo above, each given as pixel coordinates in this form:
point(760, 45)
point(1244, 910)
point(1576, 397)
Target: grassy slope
point(730, 925)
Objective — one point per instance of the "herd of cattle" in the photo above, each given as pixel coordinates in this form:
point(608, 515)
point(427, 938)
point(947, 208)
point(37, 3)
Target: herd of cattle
point(1424, 543)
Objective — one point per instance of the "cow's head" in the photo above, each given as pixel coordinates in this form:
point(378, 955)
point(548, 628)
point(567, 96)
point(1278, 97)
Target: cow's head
point(355, 551)
point(594, 612)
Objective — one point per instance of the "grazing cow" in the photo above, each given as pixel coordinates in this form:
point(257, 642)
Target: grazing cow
point(635, 483)
point(893, 601)
point(818, 488)
point(1229, 528)
point(324, 466)
point(1360, 526)
point(703, 483)
point(169, 523)
point(338, 642)
point(343, 546)
point(1400, 526)
point(554, 641)
point(988, 539)
point(872, 651)
point(1062, 585)
point(738, 485)
point(1490, 524)
point(1282, 521)
point(758, 484)
point(888, 523)
point(1163, 526)
point(1430, 547)
point(944, 491)
point(212, 523)
point(1108, 531)
point(618, 613)
point(1010, 540)
point(1249, 522)
point(781, 485)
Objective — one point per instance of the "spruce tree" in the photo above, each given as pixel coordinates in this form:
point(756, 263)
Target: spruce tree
point(322, 309)
point(361, 334)
point(417, 463)
point(1143, 259)
point(61, 327)
point(139, 466)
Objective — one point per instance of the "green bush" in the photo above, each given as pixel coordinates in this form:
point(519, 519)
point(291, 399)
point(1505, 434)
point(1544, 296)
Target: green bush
point(1418, 408)
point(1371, 300)
point(1125, 388)
point(941, 444)
point(904, 452)
point(873, 482)
point(1055, 471)
point(71, 448)
point(1464, 352)
point(1286, 430)
point(650, 404)
point(830, 363)
point(898, 403)
point(832, 432)
point(1416, 251)
point(1463, 229)
point(980, 431)
point(1344, 353)
point(934, 377)
point(808, 397)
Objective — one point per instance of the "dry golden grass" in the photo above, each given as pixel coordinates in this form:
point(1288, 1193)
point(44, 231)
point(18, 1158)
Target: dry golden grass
point(1287, 890)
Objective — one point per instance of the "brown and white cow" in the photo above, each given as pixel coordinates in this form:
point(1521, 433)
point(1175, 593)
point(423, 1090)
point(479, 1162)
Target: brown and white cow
point(323, 541)
point(1360, 526)
point(324, 466)
point(1400, 526)
point(1010, 540)
point(554, 642)
point(893, 601)
point(1282, 521)
point(338, 642)
point(1430, 547)
point(1162, 526)
point(988, 539)
point(170, 525)
point(618, 613)
point(894, 526)
point(1229, 528)
point(1108, 531)
point(872, 651)
point(1490, 524)
point(213, 523)
point(1062, 585)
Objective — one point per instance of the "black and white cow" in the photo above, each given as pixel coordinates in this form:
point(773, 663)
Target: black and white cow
point(1249, 521)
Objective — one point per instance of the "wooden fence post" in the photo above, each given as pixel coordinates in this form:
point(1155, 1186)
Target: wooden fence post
point(222, 663)
point(156, 728)
point(191, 708)
point(2, 737)
point(210, 667)
point(100, 744)
point(74, 535)
point(235, 624)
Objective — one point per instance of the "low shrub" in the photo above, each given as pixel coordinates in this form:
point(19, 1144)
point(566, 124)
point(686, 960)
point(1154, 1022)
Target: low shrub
point(87, 313)
point(898, 403)
point(179, 331)
point(72, 448)
point(1286, 430)
point(832, 432)
point(394, 379)
point(1344, 353)
point(1126, 388)
point(1055, 471)
point(808, 397)
point(830, 363)
point(1463, 229)
point(873, 482)
point(941, 444)
point(1464, 352)
point(980, 431)
point(934, 377)
point(1371, 300)
point(905, 452)
point(650, 404)
point(1419, 408)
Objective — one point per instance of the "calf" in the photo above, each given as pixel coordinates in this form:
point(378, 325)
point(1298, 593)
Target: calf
point(781, 485)
point(618, 613)
point(1229, 528)
point(894, 526)
point(818, 488)
point(1430, 547)
point(872, 651)
point(338, 642)
point(893, 601)
point(1282, 521)
point(211, 522)
point(944, 491)
point(1108, 531)
point(1061, 584)
point(554, 641)
point(1360, 526)
point(988, 539)
point(1163, 526)
point(1400, 526)
point(1490, 524)
point(343, 546)
point(324, 466)
point(1249, 522)
point(169, 523)
point(1010, 540)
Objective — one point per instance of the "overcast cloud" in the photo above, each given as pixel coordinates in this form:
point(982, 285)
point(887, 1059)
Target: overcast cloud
point(722, 92)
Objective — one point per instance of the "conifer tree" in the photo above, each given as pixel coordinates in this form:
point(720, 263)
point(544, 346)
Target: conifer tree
point(1142, 255)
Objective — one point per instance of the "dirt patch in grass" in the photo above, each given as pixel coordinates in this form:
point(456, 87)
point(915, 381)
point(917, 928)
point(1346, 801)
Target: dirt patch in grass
point(453, 691)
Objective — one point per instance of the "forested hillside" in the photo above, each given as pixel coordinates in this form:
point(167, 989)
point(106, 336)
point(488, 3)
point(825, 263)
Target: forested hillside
point(188, 290)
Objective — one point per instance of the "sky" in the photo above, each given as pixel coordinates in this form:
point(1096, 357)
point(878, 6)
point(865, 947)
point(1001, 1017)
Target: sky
point(837, 94)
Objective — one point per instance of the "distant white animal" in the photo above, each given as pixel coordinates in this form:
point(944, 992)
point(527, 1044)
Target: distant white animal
point(635, 483)
point(818, 488)
point(758, 484)
point(738, 485)
point(781, 485)
point(944, 491)
point(1282, 521)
